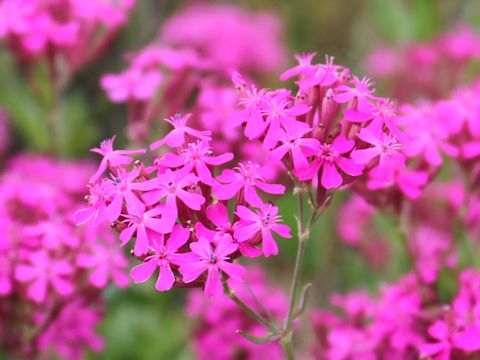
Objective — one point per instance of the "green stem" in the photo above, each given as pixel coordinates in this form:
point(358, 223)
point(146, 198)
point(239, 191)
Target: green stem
point(303, 236)
point(288, 349)
point(248, 310)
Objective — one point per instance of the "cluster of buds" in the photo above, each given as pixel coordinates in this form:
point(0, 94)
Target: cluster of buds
point(53, 272)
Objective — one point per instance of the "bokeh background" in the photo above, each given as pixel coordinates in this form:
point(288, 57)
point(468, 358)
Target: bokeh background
point(144, 324)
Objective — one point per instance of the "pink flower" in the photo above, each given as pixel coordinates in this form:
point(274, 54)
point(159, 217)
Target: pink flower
point(121, 187)
point(448, 340)
point(176, 137)
point(171, 185)
point(293, 141)
point(142, 222)
point(213, 261)
point(96, 211)
point(164, 254)
point(303, 68)
point(133, 84)
point(218, 215)
point(42, 272)
point(198, 156)
point(279, 113)
point(105, 262)
point(228, 36)
point(263, 222)
point(112, 158)
point(386, 149)
point(360, 95)
point(246, 177)
point(324, 75)
point(330, 159)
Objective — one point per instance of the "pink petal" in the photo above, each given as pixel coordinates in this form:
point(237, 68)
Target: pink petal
point(275, 189)
point(468, 340)
point(282, 230)
point(127, 234)
point(246, 232)
point(218, 214)
point(113, 210)
point(192, 270)
point(350, 167)
point(38, 290)
point(235, 271)
point(213, 285)
point(342, 144)
point(193, 200)
point(245, 213)
point(141, 242)
point(299, 159)
point(227, 191)
point(25, 273)
point(202, 248)
point(225, 247)
point(276, 155)
point(268, 243)
point(471, 150)
point(364, 156)
point(143, 272)
point(220, 159)
point(166, 279)
point(251, 196)
point(331, 178)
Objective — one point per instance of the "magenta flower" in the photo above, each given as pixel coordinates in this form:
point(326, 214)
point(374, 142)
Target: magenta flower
point(96, 211)
point(213, 261)
point(105, 263)
point(164, 254)
point(43, 272)
point(218, 215)
point(360, 95)
point(121, 187)
point(324, 75)
point(246, 177)
point(293, 141)
point(448, 339)
point(252, 102)
point(263, 222)
point(279, 113)
point(112, 158)
point(304, 67)
point(199, 155)
point(171, 185)
point(329, 160)
point(132, 84)
point(142, 222)
point(176, 137)
point(384, 147)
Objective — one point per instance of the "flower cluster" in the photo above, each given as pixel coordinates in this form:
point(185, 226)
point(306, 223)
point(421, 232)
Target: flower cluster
point(72, 31)
point(403, 322)
point(218, 320)
point(177, 210)
point(429, 69)
point(333, 132)
point(228, 37)
point(50, 267)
